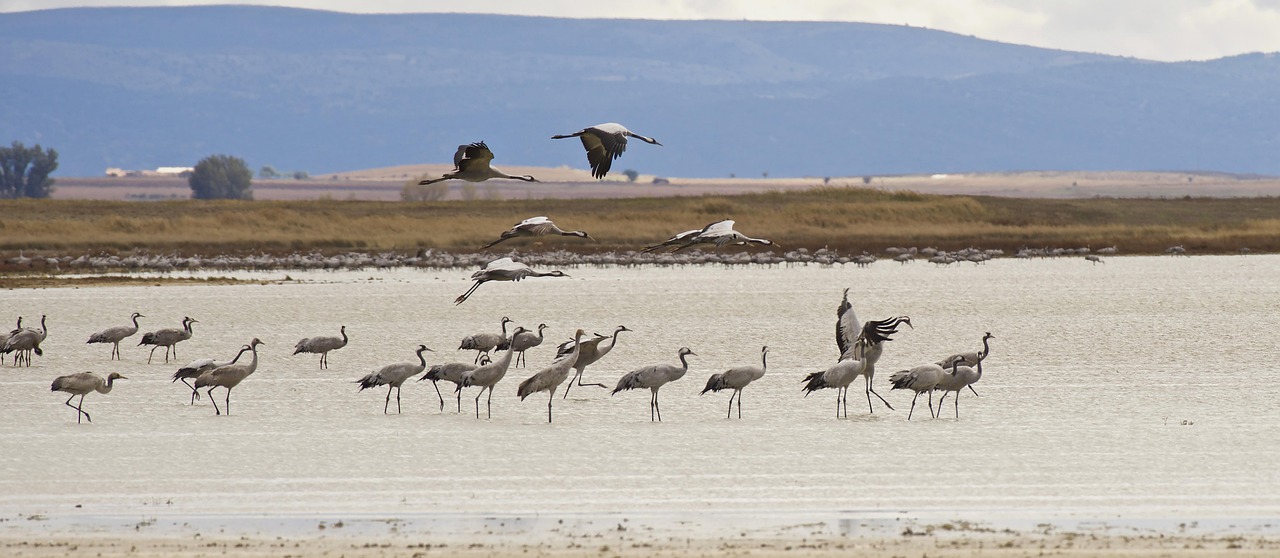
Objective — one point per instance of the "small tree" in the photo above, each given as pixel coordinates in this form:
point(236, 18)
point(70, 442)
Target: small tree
point(300, 175)
point(631, 175)
point(221, 177)
point(24, 171)
point(268, 171)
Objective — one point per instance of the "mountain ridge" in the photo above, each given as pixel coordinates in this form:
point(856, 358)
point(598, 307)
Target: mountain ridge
point(326, 91)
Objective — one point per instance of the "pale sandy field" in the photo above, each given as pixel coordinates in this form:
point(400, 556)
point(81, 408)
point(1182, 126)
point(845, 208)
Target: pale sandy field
point(564, 182)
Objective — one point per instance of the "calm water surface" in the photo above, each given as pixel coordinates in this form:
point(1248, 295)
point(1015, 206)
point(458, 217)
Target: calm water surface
point(1139, 388)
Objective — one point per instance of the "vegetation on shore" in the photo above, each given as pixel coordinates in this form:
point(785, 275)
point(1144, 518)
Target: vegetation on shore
point(850, 220)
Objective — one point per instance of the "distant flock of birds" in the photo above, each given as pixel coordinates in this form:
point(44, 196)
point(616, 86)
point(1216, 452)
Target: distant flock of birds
point(860, 346)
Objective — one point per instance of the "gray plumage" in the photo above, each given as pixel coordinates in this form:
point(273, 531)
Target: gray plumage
point(115, 335)
point(168, 338)
point(738, 378)
point(588, 354)
point(873, 335)
point(195, 368)
point(4, 336)
point(654, 377)
point(971, 358)
point(838, 377)
point(450, 372)
point(718, 234)
point(82, 384)
point(604, 143)
point(483, 343)
point(472, 162)
point(550, 378)
point(523, 342)
point(503, 269)
point(921, 379)
point(674, 242)
point(954, 379)
point(24, 341)
point(535, 226)
point(228, 377)
point(322, 345)
point(393, 376)
point(489, 375)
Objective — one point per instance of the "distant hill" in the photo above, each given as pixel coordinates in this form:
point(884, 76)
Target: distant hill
point(329, 92)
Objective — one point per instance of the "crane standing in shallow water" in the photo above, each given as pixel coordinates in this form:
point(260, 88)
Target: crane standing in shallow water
point(604, 143)
point(654, 377)
point(451, 372)
point(322, 345)
point(522, 343)
point(24, 341)
point(588, 354)
point(393, 376)
point(489, 375)
point(921, 379)
point(196, 368)
point(81, 384)
point(168, 338)
point(872, 335)
point(550, 378)
point(971, 358)
point(228, 376)
point(115, 335)
point(960, 377)
point(738, 378)
point(472, 163)
point(483, 343)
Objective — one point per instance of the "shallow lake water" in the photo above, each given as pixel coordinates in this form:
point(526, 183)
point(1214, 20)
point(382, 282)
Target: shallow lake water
point(1137, 390)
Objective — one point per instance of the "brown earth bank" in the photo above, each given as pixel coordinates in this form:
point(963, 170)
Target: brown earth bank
point(846, 221)
point(1064, 545)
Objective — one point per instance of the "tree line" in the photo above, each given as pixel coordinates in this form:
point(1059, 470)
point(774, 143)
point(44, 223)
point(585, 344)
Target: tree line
point(24, 171)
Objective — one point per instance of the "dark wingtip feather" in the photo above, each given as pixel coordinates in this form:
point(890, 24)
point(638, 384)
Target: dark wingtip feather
point(714, 383)
point(813, 382)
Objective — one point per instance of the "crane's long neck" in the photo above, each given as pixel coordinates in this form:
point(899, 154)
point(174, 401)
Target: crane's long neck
point(505, 361)
point(135, 322)
point(343, 331)
point(238, 355)
point(614, 341)
point(986, 349)
point(504, 329)
point(422, 359)
point(684, 363)
point(979, 371)
point(577, 347)
point(43, 331)
point(106, 388)
point(253, 363)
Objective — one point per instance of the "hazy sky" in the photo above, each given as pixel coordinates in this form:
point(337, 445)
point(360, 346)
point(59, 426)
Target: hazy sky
point(1154, 29)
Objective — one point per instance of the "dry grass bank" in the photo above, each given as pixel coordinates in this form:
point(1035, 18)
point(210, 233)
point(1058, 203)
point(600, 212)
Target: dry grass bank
point(847, 219)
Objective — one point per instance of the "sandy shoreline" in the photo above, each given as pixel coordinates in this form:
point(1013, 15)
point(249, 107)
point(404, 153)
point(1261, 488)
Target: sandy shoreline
point(789, 534)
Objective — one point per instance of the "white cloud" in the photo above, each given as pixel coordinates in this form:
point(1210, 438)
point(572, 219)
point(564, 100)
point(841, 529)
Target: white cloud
point(1155, 29)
